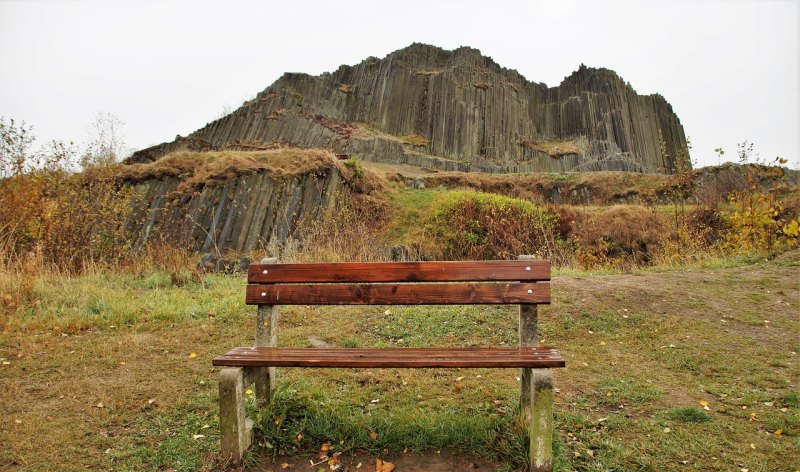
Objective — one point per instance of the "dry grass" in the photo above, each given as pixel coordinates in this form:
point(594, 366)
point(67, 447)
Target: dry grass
point(198, 169)
point(206, 168)
point(553, 149)
point(415, 139)
point(601, 187)
point(430, 72)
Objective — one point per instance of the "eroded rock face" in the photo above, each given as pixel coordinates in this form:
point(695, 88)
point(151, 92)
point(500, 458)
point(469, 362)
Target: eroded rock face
point(452, 110)
point(241, 215)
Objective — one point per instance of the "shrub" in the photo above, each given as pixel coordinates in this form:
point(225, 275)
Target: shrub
point(471, 225)
point(621, 234)
point(52, 215)
point(355, 165)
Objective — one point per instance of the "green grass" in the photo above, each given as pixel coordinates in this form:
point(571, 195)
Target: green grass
point(689, 414)
point(409, 207)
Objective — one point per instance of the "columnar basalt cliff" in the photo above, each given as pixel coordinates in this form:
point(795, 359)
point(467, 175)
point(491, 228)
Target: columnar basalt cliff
point(452, 110)
point(235, 201)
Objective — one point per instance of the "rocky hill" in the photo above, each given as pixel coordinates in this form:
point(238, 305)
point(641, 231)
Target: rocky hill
point(451, 110)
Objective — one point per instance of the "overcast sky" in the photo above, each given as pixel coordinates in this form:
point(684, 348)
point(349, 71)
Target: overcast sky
point(729, 68)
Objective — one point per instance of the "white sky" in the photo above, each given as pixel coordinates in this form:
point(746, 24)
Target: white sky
point(729, 68)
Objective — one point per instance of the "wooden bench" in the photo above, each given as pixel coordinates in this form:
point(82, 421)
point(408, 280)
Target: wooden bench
point(524, 282)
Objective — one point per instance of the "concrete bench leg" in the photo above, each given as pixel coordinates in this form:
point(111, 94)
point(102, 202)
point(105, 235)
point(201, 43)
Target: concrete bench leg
point(541, 420)
point(236, 430)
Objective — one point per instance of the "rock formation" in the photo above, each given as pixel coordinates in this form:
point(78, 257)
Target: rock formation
point(222, 202)
point(452, 110)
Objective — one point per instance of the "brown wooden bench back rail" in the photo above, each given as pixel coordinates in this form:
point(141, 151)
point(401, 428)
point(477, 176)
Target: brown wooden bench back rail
point(524, 282)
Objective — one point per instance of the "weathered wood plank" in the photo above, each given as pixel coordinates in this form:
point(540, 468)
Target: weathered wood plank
point(382, 272)
point(398, 294)
point(404, 357)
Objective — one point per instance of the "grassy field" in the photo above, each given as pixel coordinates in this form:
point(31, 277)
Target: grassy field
point(690, 369)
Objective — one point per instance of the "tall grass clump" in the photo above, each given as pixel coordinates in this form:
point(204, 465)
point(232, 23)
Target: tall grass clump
point(352, 232)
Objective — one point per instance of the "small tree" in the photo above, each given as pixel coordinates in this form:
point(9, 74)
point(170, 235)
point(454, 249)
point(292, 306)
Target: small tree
point(106, 144)
point(680, 185)
point(16, 140)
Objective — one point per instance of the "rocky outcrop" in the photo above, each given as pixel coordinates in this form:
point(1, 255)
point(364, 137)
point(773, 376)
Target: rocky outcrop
point(218, 207)
point(452, 110)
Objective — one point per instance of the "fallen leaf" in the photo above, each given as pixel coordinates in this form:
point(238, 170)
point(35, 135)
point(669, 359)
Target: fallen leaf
point(381, 466)
point(602, 343)
point(752, 446)
point(373, 435)
point(6, 363)
point(590, 452)
point(198, 436)
point(192, 355)
point(249, 391)
point(459, 379)
point(667, 430)
point(778, 432)
point(325, 447)
point(299, 436)
point(100, 405)
point(703, 403)
point(285, 465)
point(359, 465)
point(457, 387)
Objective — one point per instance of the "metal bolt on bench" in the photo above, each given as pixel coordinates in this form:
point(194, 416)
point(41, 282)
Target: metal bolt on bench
point(524, 282)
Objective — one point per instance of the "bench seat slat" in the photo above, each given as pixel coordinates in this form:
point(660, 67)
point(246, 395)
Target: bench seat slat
point(398, 294)
point(386, 272)
point(541, 357)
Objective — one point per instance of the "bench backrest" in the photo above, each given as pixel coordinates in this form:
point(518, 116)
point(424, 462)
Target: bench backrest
point(400, 283)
